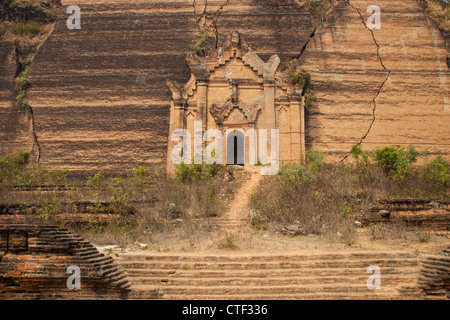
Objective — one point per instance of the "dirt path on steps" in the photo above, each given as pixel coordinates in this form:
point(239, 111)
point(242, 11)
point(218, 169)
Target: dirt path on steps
point(240, 206)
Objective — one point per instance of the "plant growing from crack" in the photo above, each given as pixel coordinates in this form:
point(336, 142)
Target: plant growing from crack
point(202, 44)
point(297, 75)
point(319, 8)
point(27, 24)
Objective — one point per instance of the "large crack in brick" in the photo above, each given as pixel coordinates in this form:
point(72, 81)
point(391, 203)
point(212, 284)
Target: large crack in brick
point(380, 88)
point(319, 24)
point(207, 20)
point(20, 69)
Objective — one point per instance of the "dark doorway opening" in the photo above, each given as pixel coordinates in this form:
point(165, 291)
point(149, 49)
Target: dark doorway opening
point(235, 148)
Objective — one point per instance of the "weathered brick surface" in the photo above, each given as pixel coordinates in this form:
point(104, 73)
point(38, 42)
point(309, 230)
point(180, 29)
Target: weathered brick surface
point(412, 106)
point(426, 213)
point(434, 277)
point(34, 261)
point(99, 92)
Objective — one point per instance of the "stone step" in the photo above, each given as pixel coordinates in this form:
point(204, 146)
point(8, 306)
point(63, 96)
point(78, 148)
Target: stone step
point(155, 273)
point(175, 265)
point(317, 276)
point(258, 258)
point(267, 290)
point(273, 281)
point(375, 295)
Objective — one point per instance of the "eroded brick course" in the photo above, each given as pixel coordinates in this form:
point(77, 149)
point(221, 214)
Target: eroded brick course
point(34, 261)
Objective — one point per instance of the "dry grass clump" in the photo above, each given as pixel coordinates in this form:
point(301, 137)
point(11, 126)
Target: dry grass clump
point(149, 204)
point(398, 231)
point(326, 198)
point(44, 11)
point(319, 8)
point(439, 11)
point(228, 242)
point(164, 205)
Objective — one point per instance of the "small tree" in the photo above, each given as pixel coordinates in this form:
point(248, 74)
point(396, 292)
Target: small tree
point(438, 170)
point(395, 160)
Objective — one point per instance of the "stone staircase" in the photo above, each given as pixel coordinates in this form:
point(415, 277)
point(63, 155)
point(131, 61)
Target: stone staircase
point(34, 261)
point(270, 277)
point(232, 224)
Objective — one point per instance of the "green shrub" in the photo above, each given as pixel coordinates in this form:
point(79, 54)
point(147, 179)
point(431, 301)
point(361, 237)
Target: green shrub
point(47, 212)
point(309, 97)
point(438, 170)
point(314, 159)
point(190, 173)
point(297, 76)
point(12, 165)
point(97, 179)
point(182, 172)
point(358, 153)
point(395, 160)
point(27, 28)
point(212, 170)
point(141, 172)
point(22, 81)
point(291, 171)
point(16, 170)
point(23, 84)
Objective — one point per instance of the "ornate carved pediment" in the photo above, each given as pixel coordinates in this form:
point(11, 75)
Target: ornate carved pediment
point(249, 108)
point(233, 47)
point(182, 93)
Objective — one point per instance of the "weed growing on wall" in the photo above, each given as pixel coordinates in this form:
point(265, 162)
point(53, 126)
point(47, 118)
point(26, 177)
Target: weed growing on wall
point(203, 44)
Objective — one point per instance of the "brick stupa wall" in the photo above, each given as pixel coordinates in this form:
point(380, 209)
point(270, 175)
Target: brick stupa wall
point(99, 93)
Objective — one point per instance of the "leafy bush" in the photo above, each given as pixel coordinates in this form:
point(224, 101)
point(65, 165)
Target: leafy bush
point(358, 153)
point(314, 159)
point(29, 28)
point(438, 170)
point(16, 170)
point(328, 200)
point(22, 81)
point(190, 173)
point(97, 179)
point(309, 97)
point(297, 75)
point(287, 169)
point(141, 172)
point(394, 160)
